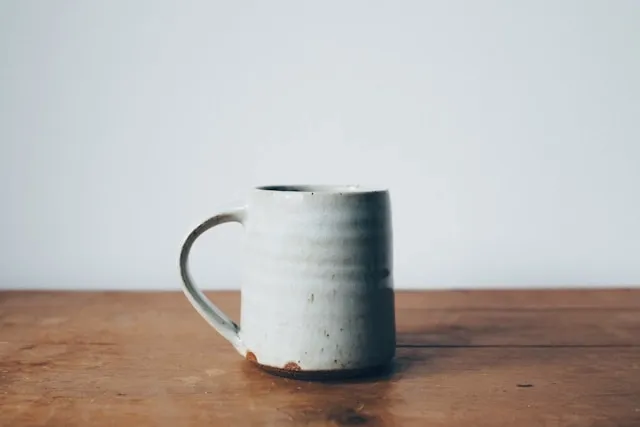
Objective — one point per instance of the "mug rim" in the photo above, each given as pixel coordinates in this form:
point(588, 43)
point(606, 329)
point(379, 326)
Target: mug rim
point(341, 189)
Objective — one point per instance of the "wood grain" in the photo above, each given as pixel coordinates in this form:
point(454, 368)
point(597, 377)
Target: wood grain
point(478, 358)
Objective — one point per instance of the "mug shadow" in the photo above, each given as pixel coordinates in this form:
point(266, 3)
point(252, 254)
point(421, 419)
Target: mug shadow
point(287, 401)
point(367, 400)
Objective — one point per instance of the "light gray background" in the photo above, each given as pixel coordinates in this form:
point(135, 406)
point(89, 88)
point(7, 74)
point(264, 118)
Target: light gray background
point(508, 133)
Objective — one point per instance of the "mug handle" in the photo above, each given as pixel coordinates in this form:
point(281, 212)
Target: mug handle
point(212, 314)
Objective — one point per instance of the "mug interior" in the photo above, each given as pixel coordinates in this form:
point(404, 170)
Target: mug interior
point(332, 189)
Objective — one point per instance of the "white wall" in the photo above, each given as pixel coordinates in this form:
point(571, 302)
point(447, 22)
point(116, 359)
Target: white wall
point(508, 133)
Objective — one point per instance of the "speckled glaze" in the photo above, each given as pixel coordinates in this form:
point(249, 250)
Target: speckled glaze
point(317, 291)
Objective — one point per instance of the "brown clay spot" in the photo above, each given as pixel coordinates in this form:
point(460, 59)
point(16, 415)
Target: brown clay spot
point(251, 357)
point(292, 366)
point(381, 370)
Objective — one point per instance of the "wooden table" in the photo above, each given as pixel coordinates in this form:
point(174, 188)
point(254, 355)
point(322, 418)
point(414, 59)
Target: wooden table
point(480, 358)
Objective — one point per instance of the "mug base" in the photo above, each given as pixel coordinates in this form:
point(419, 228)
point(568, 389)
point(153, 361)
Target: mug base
point(294, 372)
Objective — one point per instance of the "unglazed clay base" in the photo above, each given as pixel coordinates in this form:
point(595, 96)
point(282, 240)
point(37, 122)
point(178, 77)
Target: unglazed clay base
point(294, 372)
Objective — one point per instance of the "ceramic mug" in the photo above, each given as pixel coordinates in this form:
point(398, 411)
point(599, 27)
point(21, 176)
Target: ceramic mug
point(317, 293)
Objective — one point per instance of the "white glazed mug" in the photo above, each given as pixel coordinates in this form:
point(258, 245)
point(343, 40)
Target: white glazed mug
point(317, 294)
